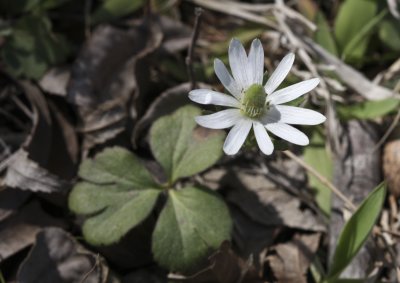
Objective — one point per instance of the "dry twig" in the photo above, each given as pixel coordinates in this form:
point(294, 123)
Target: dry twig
point(321, 178)
point(97, 263)
point(189, 59)
point(388, 132)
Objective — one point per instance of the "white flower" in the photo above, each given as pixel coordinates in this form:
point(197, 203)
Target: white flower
point(255, 105)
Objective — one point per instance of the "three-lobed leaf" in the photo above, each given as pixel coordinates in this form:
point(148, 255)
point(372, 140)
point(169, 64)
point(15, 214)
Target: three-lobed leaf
point(356, 231)
point(193, 223)
point(116, 165)
point(117, 192)
point(182, 149)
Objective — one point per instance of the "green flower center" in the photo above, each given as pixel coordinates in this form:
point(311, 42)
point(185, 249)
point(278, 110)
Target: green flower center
point(253, 101)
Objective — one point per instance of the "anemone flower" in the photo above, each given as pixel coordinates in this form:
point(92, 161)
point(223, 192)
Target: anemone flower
point(254, 105)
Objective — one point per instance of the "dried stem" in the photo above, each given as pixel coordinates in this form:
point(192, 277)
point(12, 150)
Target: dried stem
point(189, 59)
point(321, 178)
point(388, 132)
point(97, 263)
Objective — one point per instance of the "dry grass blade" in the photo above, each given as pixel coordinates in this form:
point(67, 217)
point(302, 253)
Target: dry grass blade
point(323, 180)
point(231, 8)
point(352, 77)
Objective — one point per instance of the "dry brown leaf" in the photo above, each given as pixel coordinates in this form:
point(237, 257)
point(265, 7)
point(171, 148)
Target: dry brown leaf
point(26, 174)
point(57, 257)
point(252, 238)
point(55, 81)
point(103, 79)
point(391, 163)
point(225, 267)
point(266, 203)
point(19, 231)
point(43, 150)
point(290, 261)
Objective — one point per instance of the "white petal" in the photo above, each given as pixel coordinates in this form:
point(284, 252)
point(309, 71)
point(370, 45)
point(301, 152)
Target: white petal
point(238, 63)
point(288, 133)
point(272, 115)
point(206, 96)
point(280, 73)
point(263, 140)
point(219, 120)
point(236, 137)
point(256, 62)
point(226, 79)
point(299, 116)
point(292, 92)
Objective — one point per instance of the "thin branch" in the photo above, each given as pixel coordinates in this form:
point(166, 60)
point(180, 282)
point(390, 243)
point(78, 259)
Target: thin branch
point(97, 263)
point(393, 233)
point(321, 178)
point(189, 59)
point(22, 106)
point(388, 132)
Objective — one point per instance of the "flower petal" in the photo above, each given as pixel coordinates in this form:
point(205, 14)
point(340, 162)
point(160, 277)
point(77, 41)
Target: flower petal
point(226, 79)
point(219, 120)
point(288, 133)
point(238, 63)
point(263, 140)
point(206, 96)
point(256, 62)
point(292, 92)
point(236, 137)
point(299, 116)
point(280, 73)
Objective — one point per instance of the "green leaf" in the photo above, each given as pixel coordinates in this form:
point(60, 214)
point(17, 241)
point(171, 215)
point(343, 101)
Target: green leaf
point(389, 33)
point(355, 232)
point(182, 149)
point(368, 109)
point(118, 193)
point(113, 9)
point(317, 156)
point(116, 165)
point(32, 47)
point(193, 223)
point(363, 34)
point(324, 35)
point(353, 32)
point(114, 222)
